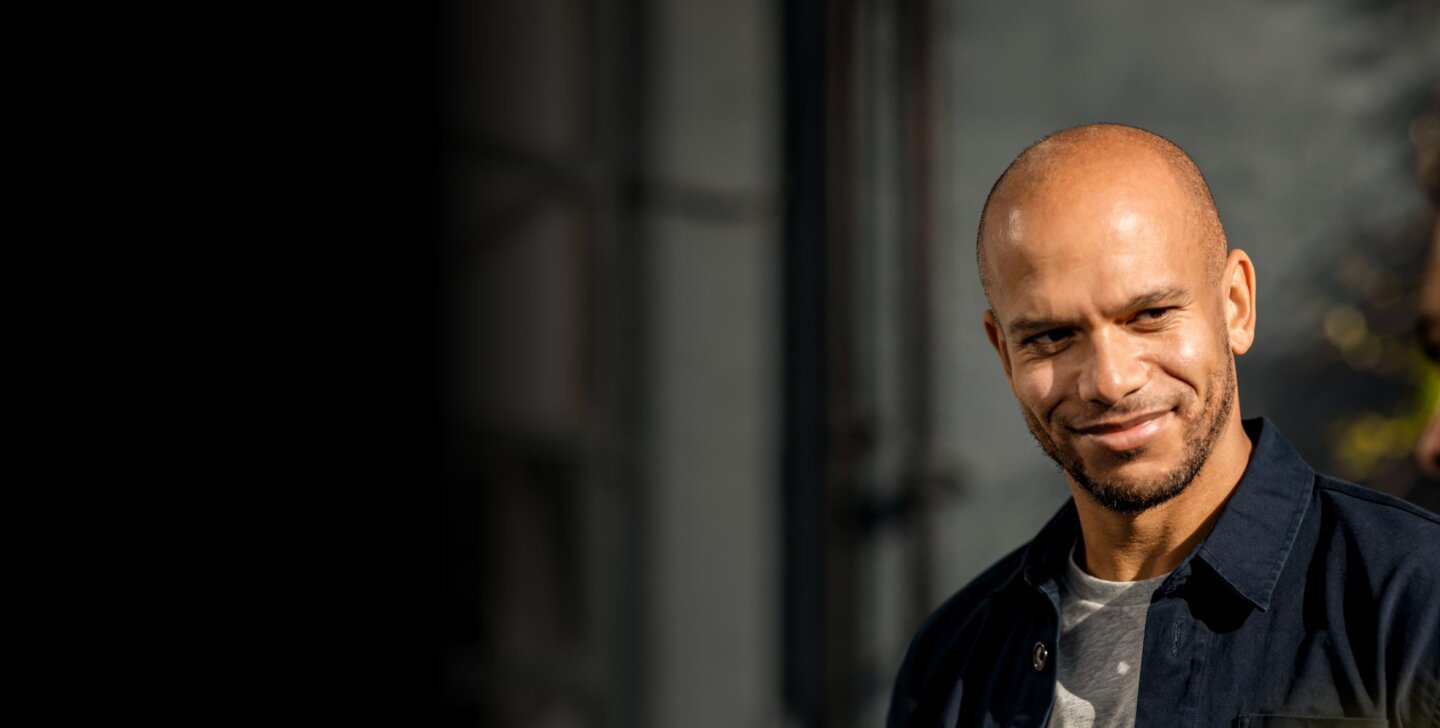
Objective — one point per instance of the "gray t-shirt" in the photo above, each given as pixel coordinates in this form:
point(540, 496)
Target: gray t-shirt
point(1102, 635)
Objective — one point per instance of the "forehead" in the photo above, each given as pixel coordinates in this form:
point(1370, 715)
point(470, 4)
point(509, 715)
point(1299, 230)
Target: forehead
point(1055, 254)
point(1065, 285)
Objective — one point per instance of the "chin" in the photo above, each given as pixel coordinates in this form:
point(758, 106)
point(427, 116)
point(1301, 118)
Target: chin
point(1135, 487)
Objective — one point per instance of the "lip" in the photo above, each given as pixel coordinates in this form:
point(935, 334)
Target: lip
point(1126, 434)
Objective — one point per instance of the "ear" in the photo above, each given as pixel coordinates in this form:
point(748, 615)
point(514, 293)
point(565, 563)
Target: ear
point(1239, 289)
point(997, 340)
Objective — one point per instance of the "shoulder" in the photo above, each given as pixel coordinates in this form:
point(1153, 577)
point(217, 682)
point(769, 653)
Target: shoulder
point(947, 632)
point(1368, 515)
point(1389, 548)
point(956, 611)
point(1381, 541)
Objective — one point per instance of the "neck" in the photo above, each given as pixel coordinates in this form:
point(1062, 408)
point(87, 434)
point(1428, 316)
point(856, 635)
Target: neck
point(1134, 546)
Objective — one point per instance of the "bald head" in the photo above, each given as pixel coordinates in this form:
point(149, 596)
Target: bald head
point(1086, 169)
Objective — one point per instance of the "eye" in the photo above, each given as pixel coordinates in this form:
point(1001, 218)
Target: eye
point(1049, 338)
point(1154, 315)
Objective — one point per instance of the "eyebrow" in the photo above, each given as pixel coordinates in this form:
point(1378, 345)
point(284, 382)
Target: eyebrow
point(1025, 325)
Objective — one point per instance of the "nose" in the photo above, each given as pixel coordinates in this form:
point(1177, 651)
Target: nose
point(1114, 370)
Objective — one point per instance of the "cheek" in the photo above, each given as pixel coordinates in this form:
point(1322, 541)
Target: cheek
point(1189, 359)
point(1187, 354)
point(1037, 385)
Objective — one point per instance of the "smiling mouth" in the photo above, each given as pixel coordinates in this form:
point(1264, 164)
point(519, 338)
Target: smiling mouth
point(1126, 434)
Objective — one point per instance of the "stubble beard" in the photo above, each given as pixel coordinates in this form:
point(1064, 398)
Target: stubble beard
point(1129, 497)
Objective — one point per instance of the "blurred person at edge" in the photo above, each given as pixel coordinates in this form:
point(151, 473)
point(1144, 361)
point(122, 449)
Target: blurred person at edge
point(1425, 133)
point(1201, 574)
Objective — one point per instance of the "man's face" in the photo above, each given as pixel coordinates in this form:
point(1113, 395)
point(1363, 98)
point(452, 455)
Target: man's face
point(1113, 335)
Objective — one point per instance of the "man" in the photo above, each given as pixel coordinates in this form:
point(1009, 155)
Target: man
point(1201, 574)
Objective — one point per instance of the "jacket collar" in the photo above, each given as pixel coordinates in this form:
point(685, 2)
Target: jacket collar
point(1045, 557)
point(1250, 542)
point(1254, 535)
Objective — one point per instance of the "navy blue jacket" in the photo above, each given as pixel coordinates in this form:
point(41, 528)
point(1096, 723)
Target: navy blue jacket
point(1312, 598)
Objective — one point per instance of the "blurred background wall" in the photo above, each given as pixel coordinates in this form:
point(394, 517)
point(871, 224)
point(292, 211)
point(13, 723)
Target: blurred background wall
point(720, 425)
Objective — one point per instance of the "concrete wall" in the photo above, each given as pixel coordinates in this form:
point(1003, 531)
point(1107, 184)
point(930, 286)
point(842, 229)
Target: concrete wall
point(712, 231)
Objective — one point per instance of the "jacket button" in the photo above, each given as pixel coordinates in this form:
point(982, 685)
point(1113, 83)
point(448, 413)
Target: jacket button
point(1041, 654)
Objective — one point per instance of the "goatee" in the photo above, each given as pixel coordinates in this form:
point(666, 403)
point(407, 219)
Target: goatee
point(1130, 498)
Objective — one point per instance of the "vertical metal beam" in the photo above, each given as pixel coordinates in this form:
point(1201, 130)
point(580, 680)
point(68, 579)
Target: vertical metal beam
point(916, 88)
point(805, 503)
point(844, 421)
point(821, 422)
point(617, 298)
